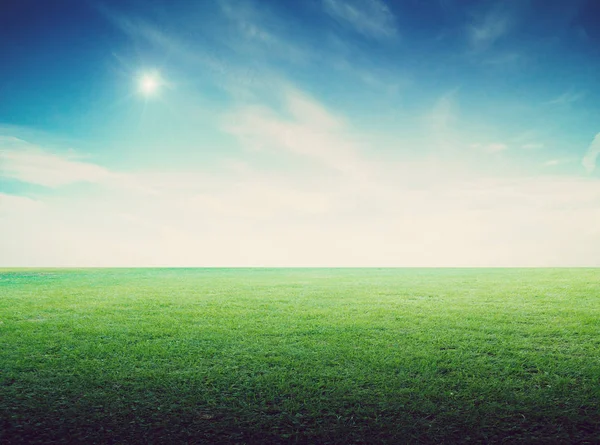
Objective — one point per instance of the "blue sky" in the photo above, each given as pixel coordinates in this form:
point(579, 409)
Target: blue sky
point(285, 133)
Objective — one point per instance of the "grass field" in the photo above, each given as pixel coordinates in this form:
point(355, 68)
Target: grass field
point(300, 356)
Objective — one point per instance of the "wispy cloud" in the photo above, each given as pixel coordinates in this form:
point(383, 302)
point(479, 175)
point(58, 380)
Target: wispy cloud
point(532, 146)
point(495, 147)
point(440, 121)
point(351, 59)
point(508, 60)
point(371, 18)
point(560, 161)
point(312, 132)
point(253, 41)
point(485, 31)
point(444, 112)
point(269, 33)
point(568, 97)
point(589, 160)
point(28, 163)
point(227, 73)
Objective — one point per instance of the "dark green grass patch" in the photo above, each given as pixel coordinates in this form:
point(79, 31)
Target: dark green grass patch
point(300, 356)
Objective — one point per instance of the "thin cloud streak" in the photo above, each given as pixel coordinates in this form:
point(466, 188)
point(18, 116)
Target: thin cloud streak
point(568, 97)
point(372, 18)
point(489, 28)
point(590, 158)
point(496, 147)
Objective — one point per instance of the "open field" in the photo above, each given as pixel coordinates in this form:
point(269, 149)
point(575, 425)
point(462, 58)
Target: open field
point(300, 356)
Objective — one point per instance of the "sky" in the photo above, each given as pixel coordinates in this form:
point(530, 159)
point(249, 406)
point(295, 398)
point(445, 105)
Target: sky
point(321, 133)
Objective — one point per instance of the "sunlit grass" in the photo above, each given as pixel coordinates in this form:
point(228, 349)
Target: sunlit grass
point(299, 356)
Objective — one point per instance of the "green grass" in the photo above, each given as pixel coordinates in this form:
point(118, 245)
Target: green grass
point(300, 356)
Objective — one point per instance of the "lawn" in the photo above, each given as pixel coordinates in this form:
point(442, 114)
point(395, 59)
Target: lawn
point(324, 356)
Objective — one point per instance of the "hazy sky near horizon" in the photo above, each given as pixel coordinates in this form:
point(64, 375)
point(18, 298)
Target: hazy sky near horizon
point(288, 133)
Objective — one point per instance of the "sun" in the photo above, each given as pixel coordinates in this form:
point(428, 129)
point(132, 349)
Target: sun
point(149, 84)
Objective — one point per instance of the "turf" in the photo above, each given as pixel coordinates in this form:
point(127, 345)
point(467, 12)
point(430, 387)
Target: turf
point(322, 356)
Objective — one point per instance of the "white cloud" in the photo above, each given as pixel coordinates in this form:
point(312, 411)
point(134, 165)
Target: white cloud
point(495, 147)
point(402, 212)
point(560, 161)
point(11, 204)
point(313, 133)
point(589, 160)
point(310, 112)
point(532, 146)
point(256, 221)
point(28, 163)
point(371, 18)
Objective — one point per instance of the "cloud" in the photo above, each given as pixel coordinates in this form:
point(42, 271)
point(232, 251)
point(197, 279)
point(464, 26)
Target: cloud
point(310, 132)
point(254, 220)
point(488, 29)
point(371, 18)
point(415, 213)
point(495, 147)
point(589, 160)
point(561, 161)
point(28, 163)
point(532, 146)
point(504, 61)
point(11, 204)
point(262, 32)
point(445, 112)
point(301, 192)
point(310, 112)
point(568, 97)
point(440, 122)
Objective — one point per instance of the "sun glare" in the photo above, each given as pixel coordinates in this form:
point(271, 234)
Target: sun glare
point(149, 84)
